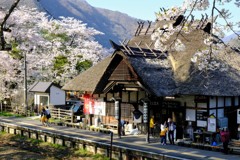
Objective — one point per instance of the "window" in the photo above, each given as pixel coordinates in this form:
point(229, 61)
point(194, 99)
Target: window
point(44, 100)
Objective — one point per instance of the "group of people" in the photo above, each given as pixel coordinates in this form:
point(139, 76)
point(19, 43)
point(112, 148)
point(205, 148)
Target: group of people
point(167, 128)
point(45, 116)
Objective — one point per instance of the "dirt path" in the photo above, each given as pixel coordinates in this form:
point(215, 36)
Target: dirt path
point(21, 148)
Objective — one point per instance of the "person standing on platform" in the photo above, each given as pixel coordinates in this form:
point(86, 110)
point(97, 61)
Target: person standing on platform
point(225, 137)
point(151, 125)
point(163, 133)
point(48, 115)
point(171, 127)
point(43, 117)
point(123, 122)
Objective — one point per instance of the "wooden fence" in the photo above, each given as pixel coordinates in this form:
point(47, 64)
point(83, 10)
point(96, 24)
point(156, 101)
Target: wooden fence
point(15, 109)
point(62, 114)
point(65, 115)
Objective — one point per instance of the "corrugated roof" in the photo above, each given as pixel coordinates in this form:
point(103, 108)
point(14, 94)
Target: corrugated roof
point(40, 87)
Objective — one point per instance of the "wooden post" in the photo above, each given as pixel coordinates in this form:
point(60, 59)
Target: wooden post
point(119, 119)
point(59, 113)
point(111, 134)
point(25, 85)
point(72, 115)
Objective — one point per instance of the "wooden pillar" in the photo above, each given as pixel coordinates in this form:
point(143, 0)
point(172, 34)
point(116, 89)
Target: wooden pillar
point(238, 101)
point(119, 115)
point(117, 105)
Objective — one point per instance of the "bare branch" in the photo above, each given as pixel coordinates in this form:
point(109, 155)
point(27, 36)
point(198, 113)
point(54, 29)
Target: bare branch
point(14, 5)
point(228, 24)
point(211, 29)
point(184, 23)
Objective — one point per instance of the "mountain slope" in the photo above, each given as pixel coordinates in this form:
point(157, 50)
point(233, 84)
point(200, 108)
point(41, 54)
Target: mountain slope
point(230, 37)
point(115, 25)
point(235, 43)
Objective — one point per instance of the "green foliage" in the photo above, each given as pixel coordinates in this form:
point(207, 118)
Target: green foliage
point(9, 114)
point(59, 63)
point(15, 52)
point(84, 65)
point(62, 37)
point(57, 146)
point(100, 157)
point(34, 141)
point(52, 150)
point(82, 152)
point(19, 138)
point(2, 133)
point(53, 120)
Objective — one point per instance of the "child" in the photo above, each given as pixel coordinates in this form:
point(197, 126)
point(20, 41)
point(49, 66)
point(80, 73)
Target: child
point(163, 133)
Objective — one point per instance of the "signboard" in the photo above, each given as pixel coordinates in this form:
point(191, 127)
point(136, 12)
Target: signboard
point(238, 116)
point(154, 103)
point(190, 115)
point(202, 115)
point(211, 125)
point(171, 104)
point(201, 123)
point(201, 99)
point(94, 106)
point(100, 107)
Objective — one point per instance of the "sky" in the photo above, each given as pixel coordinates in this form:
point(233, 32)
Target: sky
point(145, 9)
point(141, 9)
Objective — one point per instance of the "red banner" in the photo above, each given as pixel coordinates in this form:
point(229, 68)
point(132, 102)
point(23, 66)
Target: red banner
point(88, 104)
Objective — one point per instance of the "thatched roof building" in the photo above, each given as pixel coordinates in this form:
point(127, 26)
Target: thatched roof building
point(165, 74)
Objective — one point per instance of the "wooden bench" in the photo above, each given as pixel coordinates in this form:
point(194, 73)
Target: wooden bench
point(110, 126)
point(234, 146)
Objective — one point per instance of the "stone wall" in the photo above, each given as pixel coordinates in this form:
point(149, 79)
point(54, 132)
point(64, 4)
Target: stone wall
point(117, 152)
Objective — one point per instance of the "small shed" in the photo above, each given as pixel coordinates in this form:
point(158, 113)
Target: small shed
point(47, 93)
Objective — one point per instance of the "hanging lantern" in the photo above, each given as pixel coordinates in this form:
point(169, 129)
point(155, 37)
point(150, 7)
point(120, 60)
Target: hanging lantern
point(145, 112)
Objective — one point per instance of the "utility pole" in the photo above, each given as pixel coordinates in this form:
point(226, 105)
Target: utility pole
point(25, 83)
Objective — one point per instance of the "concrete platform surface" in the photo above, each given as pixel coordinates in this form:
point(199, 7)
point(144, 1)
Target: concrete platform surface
point(137, 142)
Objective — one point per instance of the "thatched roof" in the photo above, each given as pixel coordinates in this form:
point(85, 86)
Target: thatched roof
point(89, 79)
point(181, 76)
point(170, 73)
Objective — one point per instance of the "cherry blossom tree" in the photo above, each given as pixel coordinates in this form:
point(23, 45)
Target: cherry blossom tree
point(55, 49)
point(180, 20)
point(7, 80)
